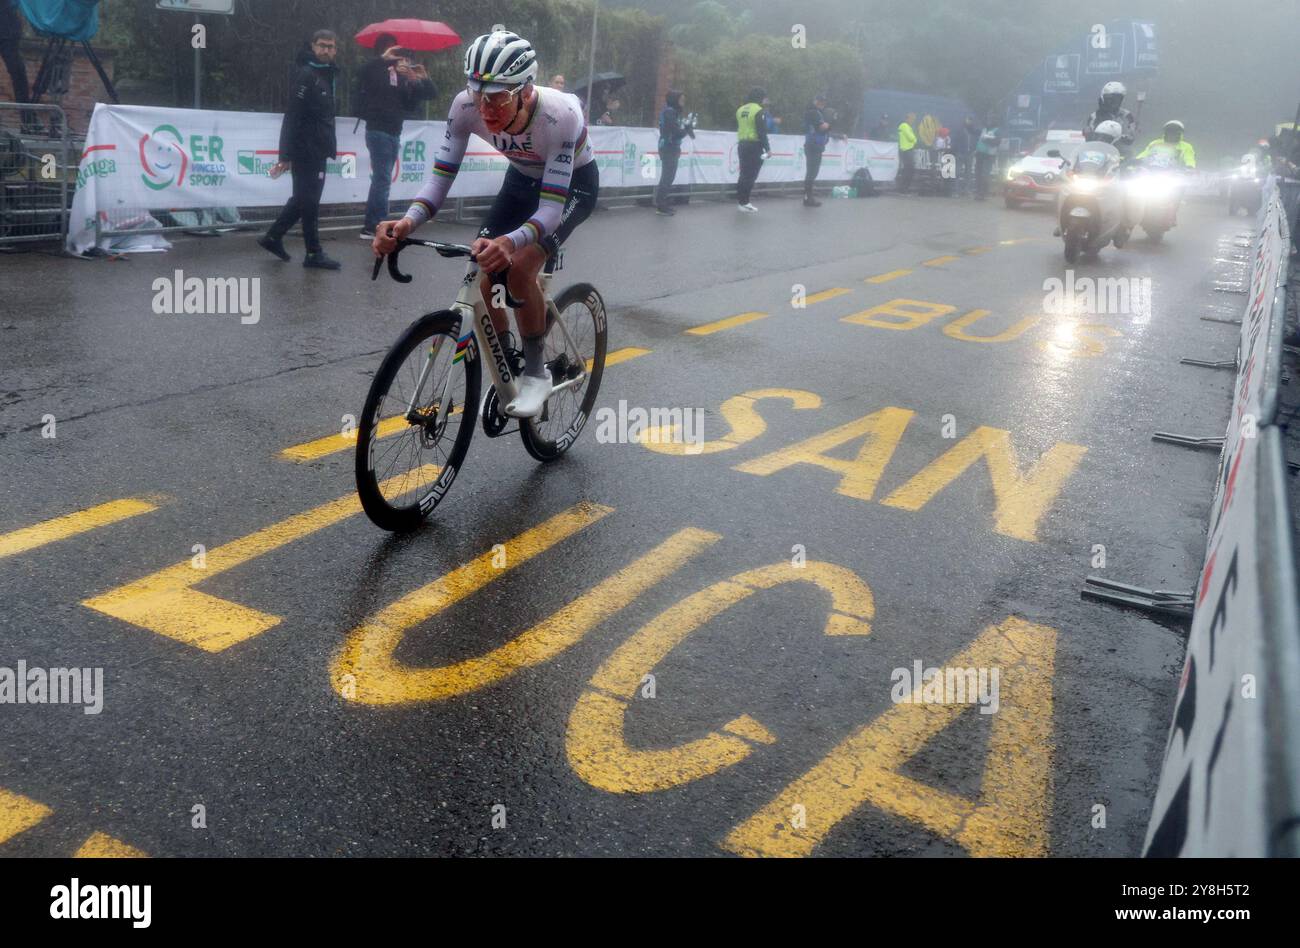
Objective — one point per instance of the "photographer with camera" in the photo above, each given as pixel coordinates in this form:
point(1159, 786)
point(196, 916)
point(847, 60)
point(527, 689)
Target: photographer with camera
point(673, 127)
point(391, 85)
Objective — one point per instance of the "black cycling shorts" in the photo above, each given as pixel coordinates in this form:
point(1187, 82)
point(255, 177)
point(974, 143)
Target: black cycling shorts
point(517, 201)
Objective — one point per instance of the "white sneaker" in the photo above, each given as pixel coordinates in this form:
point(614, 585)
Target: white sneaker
point(533, 391)
point(747, 208)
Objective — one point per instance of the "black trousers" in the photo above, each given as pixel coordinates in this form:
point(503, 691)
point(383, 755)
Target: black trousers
point(11, 33)
point(906, 168)
point(668, 159)
point(813, 157)
point(751, 162)
point(308, 183)
point(983, 167)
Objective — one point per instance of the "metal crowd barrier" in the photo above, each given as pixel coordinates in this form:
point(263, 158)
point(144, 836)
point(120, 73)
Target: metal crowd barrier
point(37, 173)
point(460, 210)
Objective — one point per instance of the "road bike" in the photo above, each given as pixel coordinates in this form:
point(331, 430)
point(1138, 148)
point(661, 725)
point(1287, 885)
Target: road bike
point(424, 401)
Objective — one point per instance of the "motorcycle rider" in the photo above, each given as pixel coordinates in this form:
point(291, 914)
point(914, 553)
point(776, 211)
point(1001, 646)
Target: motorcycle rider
point(1174, 145)
point(1107, 133)
point(1110, 109)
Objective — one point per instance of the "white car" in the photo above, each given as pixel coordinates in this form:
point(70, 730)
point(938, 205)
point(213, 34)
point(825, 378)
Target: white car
point(1039, 175)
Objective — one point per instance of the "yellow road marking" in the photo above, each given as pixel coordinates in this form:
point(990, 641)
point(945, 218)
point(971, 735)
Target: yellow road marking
point(595, 740)
point(902, 314)
point(69, 525)
point(1020, 500)
point(739, 413)
point(366, 669)
point(886, 277)
point(1018, 240)
point(977, 250)
point(18, 813)
point(621, 355)
point(103, 846)
point(827, 294)
point(344, 440)
point(957, 328)
point(939, 261)
point(728, 323)
point(858, 477)
point(166, 602)
point(1009, 819)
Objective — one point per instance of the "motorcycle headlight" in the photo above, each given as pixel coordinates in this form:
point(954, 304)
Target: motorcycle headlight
point(1153, 187)
point(1085, 185)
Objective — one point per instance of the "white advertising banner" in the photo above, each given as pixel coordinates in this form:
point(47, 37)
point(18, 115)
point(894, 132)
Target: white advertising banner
point(1210, 800)
point(140, 158)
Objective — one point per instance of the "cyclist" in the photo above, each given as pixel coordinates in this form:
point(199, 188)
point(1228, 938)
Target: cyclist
point(550, 188)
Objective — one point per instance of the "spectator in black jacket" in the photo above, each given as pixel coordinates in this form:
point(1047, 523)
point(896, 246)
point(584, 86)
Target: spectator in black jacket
point(816, 133)
point(307, 141)
point(673, 127)
point(391, 86)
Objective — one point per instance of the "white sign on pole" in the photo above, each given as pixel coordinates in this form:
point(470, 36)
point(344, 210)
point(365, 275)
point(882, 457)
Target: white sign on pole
point(198, 6)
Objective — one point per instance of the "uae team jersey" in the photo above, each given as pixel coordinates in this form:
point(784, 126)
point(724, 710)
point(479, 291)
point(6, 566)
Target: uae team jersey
point(549, 147)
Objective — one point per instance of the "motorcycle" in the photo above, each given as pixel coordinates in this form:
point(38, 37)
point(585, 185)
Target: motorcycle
point(1246, 186)
point(1154, 191)
point(1092, 208)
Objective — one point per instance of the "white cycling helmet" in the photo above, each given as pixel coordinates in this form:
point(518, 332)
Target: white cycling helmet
point(1108, 131)
point(1114, 88)
point(500, 60)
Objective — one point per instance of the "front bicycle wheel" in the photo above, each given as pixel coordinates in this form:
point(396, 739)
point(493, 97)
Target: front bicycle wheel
point(575, 353)
point(417, 422)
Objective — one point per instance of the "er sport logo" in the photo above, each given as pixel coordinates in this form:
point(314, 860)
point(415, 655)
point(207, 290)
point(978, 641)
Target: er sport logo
point(163, 158)
point(167, 158)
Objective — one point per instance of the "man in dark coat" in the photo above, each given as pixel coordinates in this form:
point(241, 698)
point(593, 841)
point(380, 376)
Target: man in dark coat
point(391, 87)
point(673, 128)
point(307, 142)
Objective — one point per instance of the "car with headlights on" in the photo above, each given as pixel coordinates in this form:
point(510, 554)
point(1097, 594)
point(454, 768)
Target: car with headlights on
point(1040, 174)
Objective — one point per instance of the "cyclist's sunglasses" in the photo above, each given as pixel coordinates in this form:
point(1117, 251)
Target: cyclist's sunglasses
point(496, 101)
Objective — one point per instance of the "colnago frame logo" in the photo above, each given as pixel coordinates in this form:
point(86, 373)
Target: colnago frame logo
point(167, 159)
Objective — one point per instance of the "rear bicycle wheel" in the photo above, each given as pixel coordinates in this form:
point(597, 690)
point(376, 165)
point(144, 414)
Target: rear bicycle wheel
point(574, 351)
point(409, 448)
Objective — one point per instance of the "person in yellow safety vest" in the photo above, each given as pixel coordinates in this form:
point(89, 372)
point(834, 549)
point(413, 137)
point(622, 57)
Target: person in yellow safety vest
point(906, 151)
point(751, 145)
point(1174, 145)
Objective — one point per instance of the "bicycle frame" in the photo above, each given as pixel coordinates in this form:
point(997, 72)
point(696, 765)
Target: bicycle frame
point(469, 306)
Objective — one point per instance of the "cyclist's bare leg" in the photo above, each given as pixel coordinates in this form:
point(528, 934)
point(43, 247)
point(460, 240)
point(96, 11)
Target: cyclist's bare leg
point(523, 285)
point(524, 267)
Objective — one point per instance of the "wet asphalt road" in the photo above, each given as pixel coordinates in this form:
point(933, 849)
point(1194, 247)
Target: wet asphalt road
point(954, 523)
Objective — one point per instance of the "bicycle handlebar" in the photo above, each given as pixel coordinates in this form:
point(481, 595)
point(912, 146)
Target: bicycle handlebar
point(444, 250)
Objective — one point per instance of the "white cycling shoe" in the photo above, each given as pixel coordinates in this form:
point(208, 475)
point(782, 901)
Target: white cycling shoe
point(533, 391)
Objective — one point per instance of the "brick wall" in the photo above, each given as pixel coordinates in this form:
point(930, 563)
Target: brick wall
point(84, 87)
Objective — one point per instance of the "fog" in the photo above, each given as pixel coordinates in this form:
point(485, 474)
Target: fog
point(1230, 71)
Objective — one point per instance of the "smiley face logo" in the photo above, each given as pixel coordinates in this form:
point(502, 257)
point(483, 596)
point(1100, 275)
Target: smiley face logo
point(163, 158)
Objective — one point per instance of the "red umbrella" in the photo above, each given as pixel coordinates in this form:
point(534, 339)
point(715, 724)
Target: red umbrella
point(418, 35)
